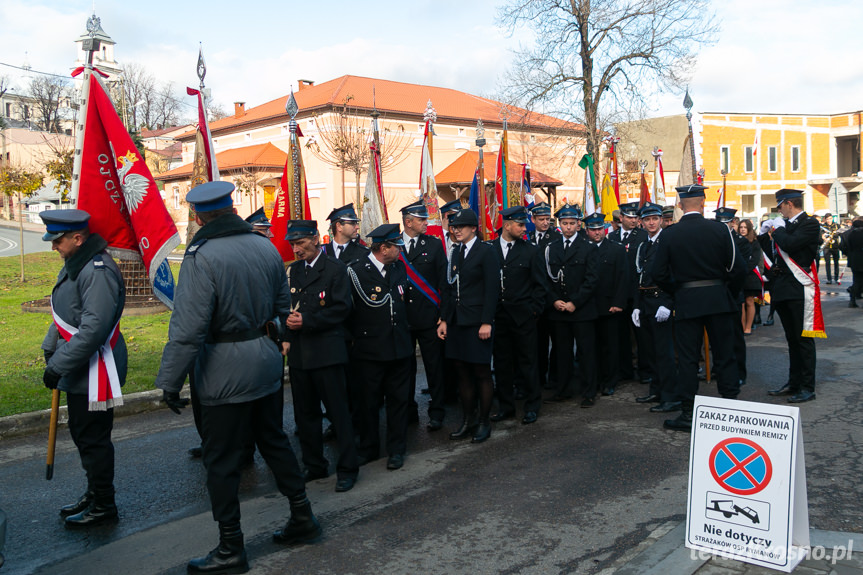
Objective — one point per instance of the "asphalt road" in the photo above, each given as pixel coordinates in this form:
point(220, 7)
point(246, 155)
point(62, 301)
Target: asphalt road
point(10, 241)
point(570, 494)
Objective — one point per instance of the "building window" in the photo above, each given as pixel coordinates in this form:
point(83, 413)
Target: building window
point(771, 159)
point(421, 128)
point(248, 137)
point(461, 131)
point(533, 137)
point(176, 190)
point(8, 109)
point(724, 159)
point(748, 160)
point(795, 158)
point(748, 204)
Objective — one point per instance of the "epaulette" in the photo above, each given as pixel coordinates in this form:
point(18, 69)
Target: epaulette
point(98, 262)
point(192, 249)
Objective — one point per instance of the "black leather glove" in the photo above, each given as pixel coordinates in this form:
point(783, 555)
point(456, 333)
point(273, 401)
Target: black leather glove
point(50, 379)
point(174, 401)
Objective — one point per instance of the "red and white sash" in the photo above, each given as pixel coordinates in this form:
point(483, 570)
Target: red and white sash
point(813, 321)
point(104, 381)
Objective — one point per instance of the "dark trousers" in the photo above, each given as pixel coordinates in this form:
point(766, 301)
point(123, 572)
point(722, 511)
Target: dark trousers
point(660, 353)
point(581, 333)
point(546, 370)
point(857, 285)
point(801, 350)
point(91, 432)
point(689, 334)
point(309, 387)
point(431, 348)
point(227, 429)
point(388, 382)
point(627, 332)
point(831, 254)
point(607, 347)
point(740, 350)
point(515, 363)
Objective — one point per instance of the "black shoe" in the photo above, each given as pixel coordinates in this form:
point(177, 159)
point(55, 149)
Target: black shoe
point(425, 391)
point(529, 417)
point(802, 397)
point(741, 382)
point(395, 461)
point(434, 424)
point(228, 557)
point(650, 398)
point(853, 303)
point(501, 415)
point(302, 527)
point(784, 390)
point(557, 399)
point(768, 321)
point(483, 432)
point(310, 475)
point(74, 508)
point(196, 452)
point(97, 513)
point(462, 432)
point(666, 407)
point(345, 484)
point(588, 402)
point(608, 391)
point(682, 423)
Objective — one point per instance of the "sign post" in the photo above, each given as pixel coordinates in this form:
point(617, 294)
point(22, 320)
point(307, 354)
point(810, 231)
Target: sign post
point(747, 483)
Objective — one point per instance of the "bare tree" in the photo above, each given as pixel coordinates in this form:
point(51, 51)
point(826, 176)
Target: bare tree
point(47, 92)
point(59, 165)
point(346, 134)
point(215, 111)
point(595, 59)
point(247, 184)
point(148, 103)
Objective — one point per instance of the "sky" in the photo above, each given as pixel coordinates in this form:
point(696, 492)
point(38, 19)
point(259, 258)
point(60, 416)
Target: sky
point(771, 56)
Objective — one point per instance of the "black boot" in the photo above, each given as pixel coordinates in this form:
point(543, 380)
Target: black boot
point(853, 302)
point(684, 421)
point(769, 320)
point(303, 526)
point(483, 432)
point(462, 432)
point(74, 508)
point(228, 557)
point(757, 319)
point(101, 510)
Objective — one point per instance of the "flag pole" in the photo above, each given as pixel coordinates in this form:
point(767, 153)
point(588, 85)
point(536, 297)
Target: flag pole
point(483, 204)
point(376, 155)
point(724, 187)
point(296, 200)
point(89, 45)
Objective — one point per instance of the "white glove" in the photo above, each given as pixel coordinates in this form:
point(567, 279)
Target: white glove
point(766, 226)
point(635, 317)
point(779, 222)
point(662, 314)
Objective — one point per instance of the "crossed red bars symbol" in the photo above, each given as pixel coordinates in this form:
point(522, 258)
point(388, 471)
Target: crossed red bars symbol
point(740, 465)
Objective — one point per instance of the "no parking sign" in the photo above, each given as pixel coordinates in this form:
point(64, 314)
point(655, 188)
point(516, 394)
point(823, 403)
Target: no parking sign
point(747, 483)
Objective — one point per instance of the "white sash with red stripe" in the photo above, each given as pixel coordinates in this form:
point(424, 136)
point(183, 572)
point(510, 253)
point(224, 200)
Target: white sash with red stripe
point(104, 381)
point(813, 321)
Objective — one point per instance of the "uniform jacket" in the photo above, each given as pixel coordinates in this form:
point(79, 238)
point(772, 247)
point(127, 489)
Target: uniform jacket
point(473, 294)
point(381, 332)
point(353, 251)
point(613, 282)
point(800, 240)
point(751, 282)
point(633, 240)
point(90, 295)
point(523, 281)
point(549, 236)
point(697, 249)
point(430, 261)
point(231, 282)
point(645, 299)
point(323, 297)
point(574, 275)
point(852, 245)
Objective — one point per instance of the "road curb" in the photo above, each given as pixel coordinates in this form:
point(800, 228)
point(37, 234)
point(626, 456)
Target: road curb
point(38, 421)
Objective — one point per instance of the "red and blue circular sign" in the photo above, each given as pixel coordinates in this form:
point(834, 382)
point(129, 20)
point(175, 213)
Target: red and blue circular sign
point(740, 465)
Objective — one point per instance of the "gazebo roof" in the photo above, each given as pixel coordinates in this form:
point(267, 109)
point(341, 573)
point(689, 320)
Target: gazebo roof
point(461, 171)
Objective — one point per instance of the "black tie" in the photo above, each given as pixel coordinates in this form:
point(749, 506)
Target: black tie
point(566, 244)
point(412, 246)
point(508, 247)
point(339, 252)
point(306, 269)
point(623, 236)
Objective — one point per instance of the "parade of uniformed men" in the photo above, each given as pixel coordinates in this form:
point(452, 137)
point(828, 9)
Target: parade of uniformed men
point(232, 297)
point(85, 355)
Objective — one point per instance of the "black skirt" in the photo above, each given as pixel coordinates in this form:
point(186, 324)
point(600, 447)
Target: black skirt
point(463, 343)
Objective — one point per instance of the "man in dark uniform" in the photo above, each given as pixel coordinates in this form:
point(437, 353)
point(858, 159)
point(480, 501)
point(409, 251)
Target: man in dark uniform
point(426, 257)
point(446, 211)
point(652, 312)
point(345, 227)
point(695, 262)
point(611, 295)
point(230, 295)
point(851, 243)
point(744, 252)
point(543, 235)
point(798, 235)
point(87, 302)
point(260, 223)
point(382, 344)
point(522, 300)
point(830, 236)
point(321, 297)
point(667, 216)
point(630, 236)
point(572, 265)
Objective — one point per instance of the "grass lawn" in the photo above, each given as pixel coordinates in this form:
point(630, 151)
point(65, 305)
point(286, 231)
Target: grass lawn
point(21, 333)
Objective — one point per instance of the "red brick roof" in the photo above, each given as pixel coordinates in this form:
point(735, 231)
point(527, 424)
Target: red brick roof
point(392, 99)
point(262, 156)
point(461, 171)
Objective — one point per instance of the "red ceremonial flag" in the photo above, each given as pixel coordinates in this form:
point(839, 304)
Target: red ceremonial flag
point(428, 188)
point(292, 200)
point(118, 191)
point(645, 192)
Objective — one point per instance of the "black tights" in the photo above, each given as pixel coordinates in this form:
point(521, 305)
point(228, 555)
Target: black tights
point(473, 377)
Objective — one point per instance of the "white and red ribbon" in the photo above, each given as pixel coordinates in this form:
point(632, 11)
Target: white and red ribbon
point(104, 380)
point(813, 321)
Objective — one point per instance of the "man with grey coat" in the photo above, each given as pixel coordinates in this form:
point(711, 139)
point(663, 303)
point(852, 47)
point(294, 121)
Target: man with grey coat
point(231, 292)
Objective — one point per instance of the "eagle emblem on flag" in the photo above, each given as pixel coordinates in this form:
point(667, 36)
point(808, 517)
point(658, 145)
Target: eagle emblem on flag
point(134, 186)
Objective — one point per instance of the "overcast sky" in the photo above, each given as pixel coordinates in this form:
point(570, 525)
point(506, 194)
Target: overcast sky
point(785, 56)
